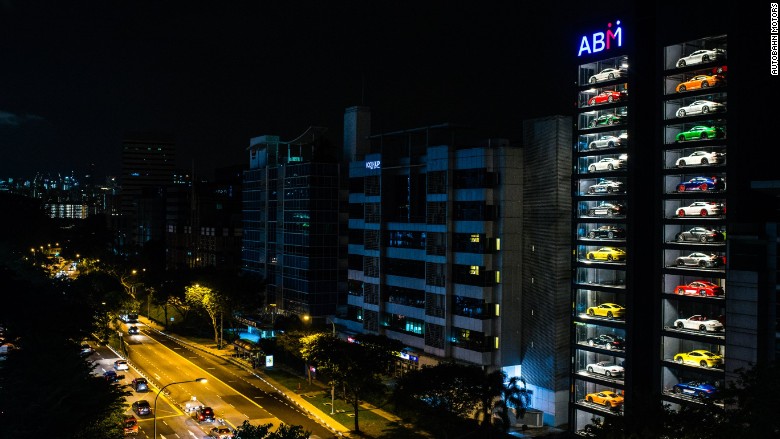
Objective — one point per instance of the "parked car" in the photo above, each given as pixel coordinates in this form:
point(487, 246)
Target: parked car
point(610, 310)
point(702, 158)
point(606, 398)
point(605, 142)
point(86, 350)
point(700, 288)
point(702, 208)
point(700, 81)
point(701, 56)
point(142, 407)
point(702, 184)
point(699, 357)
point(607, 231)
point(133, 330)
point(699, 389)
point(700, 132)
point(221, 433)
point(607, 341)
point(607, 254)
point(700, 107)
point(699, 323)
point(605, 368)
point(607, 74)
point(606, 187)
point(606, 119)
point(607, 164)
point(698, 259)
point(607, 209)
point(140, 385)
point(607, 97)
point(700, 234)
point(203, 414)
point(121, 365)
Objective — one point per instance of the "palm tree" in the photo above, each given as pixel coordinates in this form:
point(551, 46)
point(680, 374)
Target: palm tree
point(498, 395)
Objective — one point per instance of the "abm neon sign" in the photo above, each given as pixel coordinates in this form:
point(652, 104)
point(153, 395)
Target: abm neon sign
point(601, 41)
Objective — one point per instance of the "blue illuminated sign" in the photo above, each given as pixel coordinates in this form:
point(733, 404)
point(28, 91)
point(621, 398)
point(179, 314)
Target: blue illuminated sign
point(601, 41)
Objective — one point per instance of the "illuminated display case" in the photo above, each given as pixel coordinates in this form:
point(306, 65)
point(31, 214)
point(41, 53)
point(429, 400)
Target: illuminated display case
point(694, 157)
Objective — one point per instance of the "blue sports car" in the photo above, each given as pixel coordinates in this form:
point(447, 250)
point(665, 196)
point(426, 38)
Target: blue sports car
point(702, 184)
point(699, 389)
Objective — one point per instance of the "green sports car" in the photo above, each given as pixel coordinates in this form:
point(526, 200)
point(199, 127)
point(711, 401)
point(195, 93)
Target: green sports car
point(701, 132)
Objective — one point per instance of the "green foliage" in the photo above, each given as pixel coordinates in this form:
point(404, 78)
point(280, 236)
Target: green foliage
point(249, 431)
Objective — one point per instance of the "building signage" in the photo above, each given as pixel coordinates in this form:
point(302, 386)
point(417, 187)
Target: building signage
point(375, 164)
point(602, 41)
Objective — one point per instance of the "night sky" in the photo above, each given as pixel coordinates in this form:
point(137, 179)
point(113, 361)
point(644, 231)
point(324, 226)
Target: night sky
point(78, 77)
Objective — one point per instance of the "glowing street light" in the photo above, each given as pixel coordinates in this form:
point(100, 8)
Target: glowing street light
point(196, 380)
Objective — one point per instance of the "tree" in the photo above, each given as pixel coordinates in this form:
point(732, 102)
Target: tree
point(249, 431)
point(210, 301)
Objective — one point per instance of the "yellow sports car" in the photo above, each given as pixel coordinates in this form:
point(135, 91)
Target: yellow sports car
point(699, 357)
point(607, 254)
point(610, 310)
point(700, 81)
point(605, 398)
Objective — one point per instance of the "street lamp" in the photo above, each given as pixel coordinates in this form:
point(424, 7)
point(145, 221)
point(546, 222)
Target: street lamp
point(332, 381)
point(196, 380)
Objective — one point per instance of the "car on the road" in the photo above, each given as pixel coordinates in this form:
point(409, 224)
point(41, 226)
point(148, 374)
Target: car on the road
point(700, 158)
point(701, 106)
point(605, 397)
point(701, 56)
point(142, 407)
point(607, 341)
point(699, 323)
point(607, 164)
point(610, 310)
point(607, 231)
point(607, 97)
point(699, 357)
point(606, 254)
point(203, 414)
point(702, 208)
point(607, 74)
point(699, 259)
point(221, 432)
point(607, 209)
point(698, 389)
point(700, 288)
point(140, 385)
point(606, 119)
point(700, 234)
point(700, 132)
point(606, 368)
point(607, 141)
point(606, 187)
point(700, 81)
point(130, 425)
point(121, 365)
point(111, 376)
point(86, 350)
point(132, 330)
point(701, 184)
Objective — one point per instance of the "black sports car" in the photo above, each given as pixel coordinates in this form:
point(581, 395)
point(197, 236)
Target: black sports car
point(607, 341)
point(607, 209)
point(607, 231)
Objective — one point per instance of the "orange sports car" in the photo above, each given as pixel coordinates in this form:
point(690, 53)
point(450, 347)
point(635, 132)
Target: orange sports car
point(606, 398)
point(700, 81)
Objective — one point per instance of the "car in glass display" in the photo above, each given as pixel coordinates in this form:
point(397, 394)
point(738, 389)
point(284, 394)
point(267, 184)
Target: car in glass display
point(702, 208)
point(701, 56)
point(607, 231)
point(699, 323)
point(607, 254)
point(607, 74)
point(702, 184)
point(611, 310)
point(607, 164)
point(121, 365)
point(702, 158)
point(700, 234)
point(699, 357)
point(700, 107)
point(699, 389)
point(605, 398)
point(700, 81)
point(623, 139)
point(700, 132)
point(605, 368)
point(606, 97)
point(605, 142)
point(142, 407)
point(698, 259)
point(607, 209)
point(606, 187)
point(699, 288)
point(606, 119)
point(607, 341)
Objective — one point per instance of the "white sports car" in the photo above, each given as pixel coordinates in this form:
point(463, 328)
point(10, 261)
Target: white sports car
point(700, 107)
point(606, 368)
point(702, 158)
point(607, 74)
point(699, 323)
point(701, 56)
point(607, 164)
point(605, 142)
point(701, 208)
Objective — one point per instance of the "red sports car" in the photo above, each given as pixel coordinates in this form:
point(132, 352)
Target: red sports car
point(699, 288)
point(606, 97)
